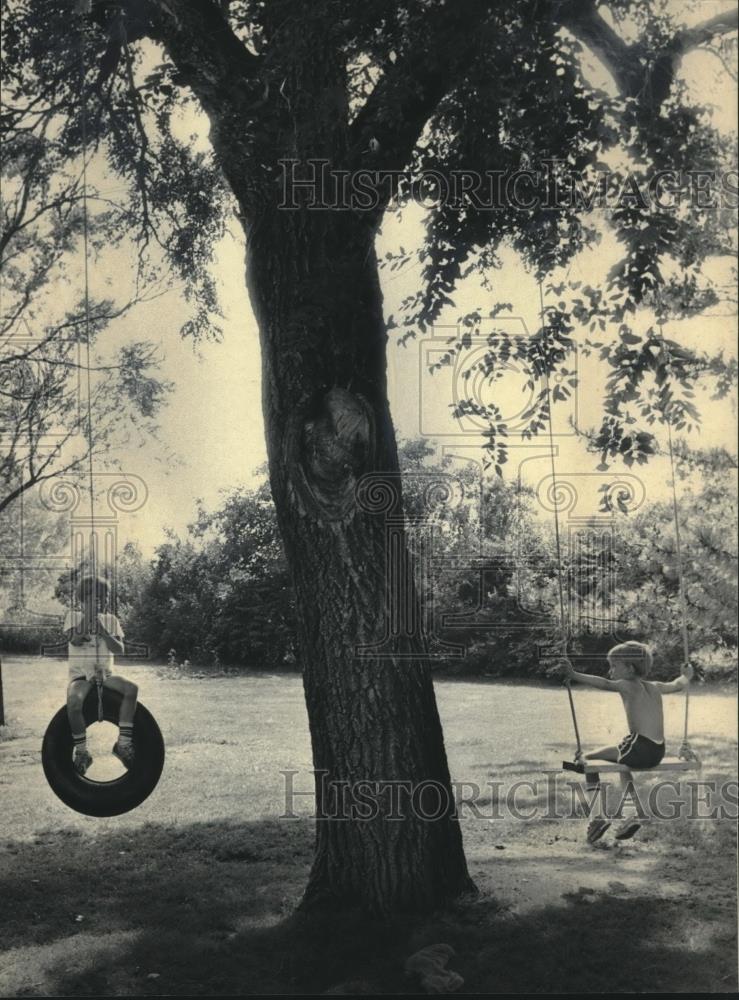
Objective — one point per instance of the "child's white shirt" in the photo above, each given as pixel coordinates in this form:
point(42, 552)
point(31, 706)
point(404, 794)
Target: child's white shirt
point(84, 658)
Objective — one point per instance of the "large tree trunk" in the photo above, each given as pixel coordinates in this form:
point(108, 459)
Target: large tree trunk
point(313, 282)
point(314, 286)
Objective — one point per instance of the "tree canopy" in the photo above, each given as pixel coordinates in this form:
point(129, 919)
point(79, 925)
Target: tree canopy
point(421, 86)
point(51, 325)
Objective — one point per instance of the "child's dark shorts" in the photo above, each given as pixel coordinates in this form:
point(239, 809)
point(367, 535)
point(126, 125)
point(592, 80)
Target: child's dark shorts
point(638, 751)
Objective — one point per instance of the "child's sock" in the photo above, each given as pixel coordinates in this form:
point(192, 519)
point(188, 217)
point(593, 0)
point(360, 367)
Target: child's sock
point(125, 736)
point(80, 742)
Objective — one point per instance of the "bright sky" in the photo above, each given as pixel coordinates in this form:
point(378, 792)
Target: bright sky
point(214, 421)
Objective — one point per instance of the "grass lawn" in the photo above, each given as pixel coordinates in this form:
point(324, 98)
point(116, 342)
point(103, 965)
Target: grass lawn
point(194, 892)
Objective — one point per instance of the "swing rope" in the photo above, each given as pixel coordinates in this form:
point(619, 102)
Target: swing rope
point(557, 535)
point(90, 446)
point(686, 752)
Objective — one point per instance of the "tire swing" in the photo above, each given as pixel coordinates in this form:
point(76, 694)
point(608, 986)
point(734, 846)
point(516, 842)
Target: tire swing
point(129, 790)
point(103, 798)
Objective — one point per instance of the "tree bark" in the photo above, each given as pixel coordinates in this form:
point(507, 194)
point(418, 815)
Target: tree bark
point(373, 719)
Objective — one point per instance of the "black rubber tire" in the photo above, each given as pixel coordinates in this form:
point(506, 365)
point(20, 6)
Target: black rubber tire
point(103, 798)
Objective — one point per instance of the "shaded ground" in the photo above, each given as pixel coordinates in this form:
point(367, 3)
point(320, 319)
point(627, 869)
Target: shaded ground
point(193, 893)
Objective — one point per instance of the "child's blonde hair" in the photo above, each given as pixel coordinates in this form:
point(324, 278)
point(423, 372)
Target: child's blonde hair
point(634, 654)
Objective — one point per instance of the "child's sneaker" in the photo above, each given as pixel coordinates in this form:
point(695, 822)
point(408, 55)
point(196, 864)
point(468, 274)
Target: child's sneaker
point(596, 829)
point(125, 754)
point(627, 830)
point(82, 761)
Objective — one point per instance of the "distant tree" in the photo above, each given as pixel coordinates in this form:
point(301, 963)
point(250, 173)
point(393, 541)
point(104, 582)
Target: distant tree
point(256, 614)
point(25, 546)
point(649, 568)
point(222, 593)
point(44, 212)
point(133, 574)
point(31, 537)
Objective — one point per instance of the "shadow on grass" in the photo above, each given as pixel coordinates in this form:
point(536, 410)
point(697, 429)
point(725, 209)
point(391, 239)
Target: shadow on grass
point(207, 909)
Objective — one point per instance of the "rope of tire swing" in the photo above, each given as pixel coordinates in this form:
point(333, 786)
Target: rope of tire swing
point(86, 272)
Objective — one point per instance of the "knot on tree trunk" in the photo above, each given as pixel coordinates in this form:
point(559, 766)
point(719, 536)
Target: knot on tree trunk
point(337, 441)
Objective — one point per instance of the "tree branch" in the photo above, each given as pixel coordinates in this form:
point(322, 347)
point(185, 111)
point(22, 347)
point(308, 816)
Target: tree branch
point(404, 99)
point(209, 56)
point(584, 21)
point(721, 24)
point(399, 107)
point(638, 71)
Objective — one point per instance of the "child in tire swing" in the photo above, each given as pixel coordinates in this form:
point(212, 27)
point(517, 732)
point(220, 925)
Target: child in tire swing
point(94, 636)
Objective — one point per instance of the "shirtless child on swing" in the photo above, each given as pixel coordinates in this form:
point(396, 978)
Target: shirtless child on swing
point(94, 637)
point(644, 745)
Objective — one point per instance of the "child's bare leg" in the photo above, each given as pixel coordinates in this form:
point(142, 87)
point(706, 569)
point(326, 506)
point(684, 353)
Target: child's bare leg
point(600, 822)
point(130, 693)
point(124, 745)
point(77, 691)
point(603, 753)
point(598, 811)
point(630, 816)
point(76, 694)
